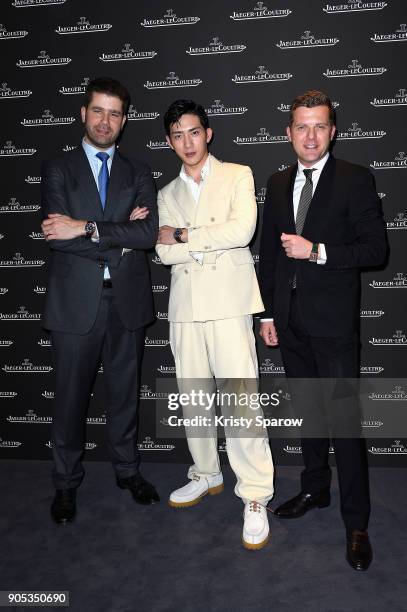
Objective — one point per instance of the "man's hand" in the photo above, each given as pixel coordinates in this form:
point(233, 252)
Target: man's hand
point(138, 213)
point(62, 227)
point(166, 235)
point(296, 246)
point(268, 333)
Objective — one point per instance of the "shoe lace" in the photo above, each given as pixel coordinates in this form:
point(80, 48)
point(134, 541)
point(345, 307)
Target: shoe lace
point(255, 506)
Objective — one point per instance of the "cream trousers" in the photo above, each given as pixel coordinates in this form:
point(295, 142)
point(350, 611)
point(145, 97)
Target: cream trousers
point(224, 350)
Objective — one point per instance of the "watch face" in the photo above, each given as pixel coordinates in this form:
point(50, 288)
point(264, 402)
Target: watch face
point(90, 227)
point(178, 234)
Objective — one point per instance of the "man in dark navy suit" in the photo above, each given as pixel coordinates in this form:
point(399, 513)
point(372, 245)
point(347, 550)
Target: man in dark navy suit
point(100, 217)
point(322, 223)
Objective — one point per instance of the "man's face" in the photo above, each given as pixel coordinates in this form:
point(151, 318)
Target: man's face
point(103, 119)
point(310, 133)
point(190, 141)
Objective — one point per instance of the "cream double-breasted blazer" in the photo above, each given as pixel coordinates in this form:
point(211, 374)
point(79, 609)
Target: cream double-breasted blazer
point(224, 218)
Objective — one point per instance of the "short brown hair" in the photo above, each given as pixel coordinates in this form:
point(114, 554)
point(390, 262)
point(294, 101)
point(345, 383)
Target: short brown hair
point(309, 99)
point(110, 87)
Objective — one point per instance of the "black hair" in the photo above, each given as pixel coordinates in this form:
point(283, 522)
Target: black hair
point(109, 86)
point(184, 107)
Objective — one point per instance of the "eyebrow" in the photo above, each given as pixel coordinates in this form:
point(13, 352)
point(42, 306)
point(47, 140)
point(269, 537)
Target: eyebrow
point(110, 110)
point(186, 130)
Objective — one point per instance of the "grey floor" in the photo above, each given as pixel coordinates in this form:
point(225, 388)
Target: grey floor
point(119, 556)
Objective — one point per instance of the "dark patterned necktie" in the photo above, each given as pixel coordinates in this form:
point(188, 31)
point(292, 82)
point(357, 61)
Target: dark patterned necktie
point(303, 206)
point(305, 201)
point(103, 178)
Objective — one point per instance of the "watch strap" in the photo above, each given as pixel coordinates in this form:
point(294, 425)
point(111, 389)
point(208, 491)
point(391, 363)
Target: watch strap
point(314, 253)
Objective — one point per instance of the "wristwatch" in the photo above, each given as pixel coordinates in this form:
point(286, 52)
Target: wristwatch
point(314, 253)
point(178, 235)
point(90, 227)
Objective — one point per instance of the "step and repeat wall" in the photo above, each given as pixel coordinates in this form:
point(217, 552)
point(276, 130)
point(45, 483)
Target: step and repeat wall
point(244, 62)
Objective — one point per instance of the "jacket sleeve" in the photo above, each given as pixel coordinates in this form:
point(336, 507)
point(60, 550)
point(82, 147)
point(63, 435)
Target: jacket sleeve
point(54, 200)
point(170, 253)
point(141, 234)
point(269, 246)
point(368, 245)
point(238, 230)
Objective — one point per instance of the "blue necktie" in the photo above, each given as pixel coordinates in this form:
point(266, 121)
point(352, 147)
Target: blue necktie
point(103, 178)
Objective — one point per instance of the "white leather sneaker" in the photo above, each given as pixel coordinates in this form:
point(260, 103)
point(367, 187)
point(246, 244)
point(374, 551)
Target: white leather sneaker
point(256, 526)
point(195, 490)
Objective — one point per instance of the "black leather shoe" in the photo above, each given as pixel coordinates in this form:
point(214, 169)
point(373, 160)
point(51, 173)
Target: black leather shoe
point(142, 491)
point(63, 508)
point(358, 550)
point(299, 505)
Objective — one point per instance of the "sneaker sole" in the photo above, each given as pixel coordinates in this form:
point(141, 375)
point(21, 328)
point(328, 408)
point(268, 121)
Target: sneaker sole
point(250, 546)
point(193, 502)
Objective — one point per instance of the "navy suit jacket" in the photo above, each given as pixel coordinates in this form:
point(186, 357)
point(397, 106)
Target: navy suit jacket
point(76, 267)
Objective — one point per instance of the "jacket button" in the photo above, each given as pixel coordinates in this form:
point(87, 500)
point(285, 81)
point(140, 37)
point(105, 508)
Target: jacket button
point(187, 224)
point(186, 271)
point(206, 247)
point(212, 219)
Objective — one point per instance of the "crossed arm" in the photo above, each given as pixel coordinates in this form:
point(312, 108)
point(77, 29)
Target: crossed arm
point(66, 233)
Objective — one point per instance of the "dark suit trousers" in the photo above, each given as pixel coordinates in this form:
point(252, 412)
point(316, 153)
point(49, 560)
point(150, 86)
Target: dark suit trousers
point(307, 357)
point(77, 358)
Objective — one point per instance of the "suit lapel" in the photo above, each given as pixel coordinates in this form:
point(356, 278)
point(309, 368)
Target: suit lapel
point(184, 199)
point(210, 189)
point(289, 200)
point(209, 194)
point(117, 175)
point(321, 194)
point(85, 181)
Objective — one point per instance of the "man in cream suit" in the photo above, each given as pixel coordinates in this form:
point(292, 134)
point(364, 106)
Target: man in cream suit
point(207, 219)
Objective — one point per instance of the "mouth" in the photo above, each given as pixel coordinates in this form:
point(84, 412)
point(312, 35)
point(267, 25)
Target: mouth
point(310, 147)
point(190, 154)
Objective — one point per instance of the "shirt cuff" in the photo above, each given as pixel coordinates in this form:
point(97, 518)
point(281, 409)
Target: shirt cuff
point(266, 320)
point(95, 235)
point(322, 254)
point(198, 256)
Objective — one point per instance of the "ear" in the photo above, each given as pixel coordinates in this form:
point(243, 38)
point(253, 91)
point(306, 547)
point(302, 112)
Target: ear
point(209, 134)
point(333, 131)
point(123, 121)
point(83, 113)
point(288, 132)
point(167, 138)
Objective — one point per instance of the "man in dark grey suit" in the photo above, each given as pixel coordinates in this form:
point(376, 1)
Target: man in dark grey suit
point(100, 217)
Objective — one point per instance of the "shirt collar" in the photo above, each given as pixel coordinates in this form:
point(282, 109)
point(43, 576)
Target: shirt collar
point(318, 166)
point(204, 172)
point(91, 151)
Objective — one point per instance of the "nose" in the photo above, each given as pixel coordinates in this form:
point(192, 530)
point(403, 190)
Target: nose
point(187, 141)
point(104, 119)
point(311, 133)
